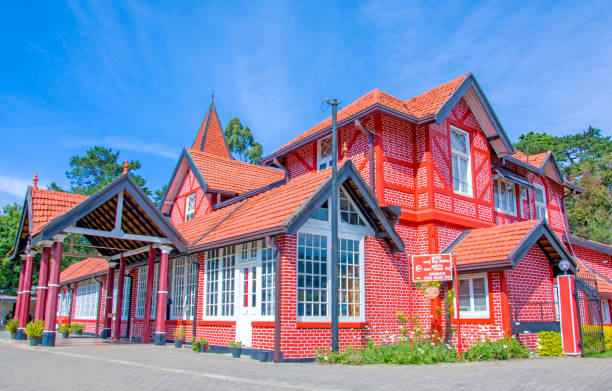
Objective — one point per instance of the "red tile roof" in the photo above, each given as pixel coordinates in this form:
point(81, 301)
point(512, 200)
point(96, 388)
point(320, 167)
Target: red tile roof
point(49, 204)
point(211, 132)
point(603, 284)
point(267, 210)
point(538, 160)
point(493, 243)
point(86, 268)
point(233, 175)
point(420, 106)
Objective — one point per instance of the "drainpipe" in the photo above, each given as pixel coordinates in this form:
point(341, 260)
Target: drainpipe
point(270, 243)
point(195, 302)
point(334, 228)
point(99, 282)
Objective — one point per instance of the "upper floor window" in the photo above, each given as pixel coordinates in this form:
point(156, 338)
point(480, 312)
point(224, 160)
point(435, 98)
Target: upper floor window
point(539, 196)
point(190, 207)
point(324, 153)
point(503, 193)
point(473, 296)
point(460, 148)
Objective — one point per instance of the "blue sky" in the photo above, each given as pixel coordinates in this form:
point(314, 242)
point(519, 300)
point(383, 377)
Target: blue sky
point(137, 76)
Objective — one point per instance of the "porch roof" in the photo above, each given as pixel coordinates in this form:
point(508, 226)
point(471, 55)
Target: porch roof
point(503, 246)
point(89, 267)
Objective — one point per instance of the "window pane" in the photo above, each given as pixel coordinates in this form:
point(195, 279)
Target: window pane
point(268, 262)
point(312, 267)
point(480, 297)
point(349, 278)
point(464, 295)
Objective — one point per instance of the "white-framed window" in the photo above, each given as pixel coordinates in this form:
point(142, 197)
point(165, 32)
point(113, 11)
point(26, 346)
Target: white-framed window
point(248, 250)
point(503, 193)
point(86, 300)
point(349, 263)
point(605, 311)
point(184, 281)
point(349, 213)
point(460, 151)
point(268, 264)
point(190, 207)
point(473, 294)
point(64, 304)
point(220, 282)
point(312, 275)
point(142, 290)
point(324, 153)
point(127, 289)
point(539, 196)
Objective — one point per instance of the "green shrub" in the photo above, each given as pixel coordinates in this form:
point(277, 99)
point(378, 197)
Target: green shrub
point(77, 327)
point(197, 343)
point(12, 325)
point(35, 328)
point(550, 343)
point(608, 336)
point(502, 349)
point(236, 345)
point(64, 328)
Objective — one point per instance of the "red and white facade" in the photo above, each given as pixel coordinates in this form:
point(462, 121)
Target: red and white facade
point(431, 174)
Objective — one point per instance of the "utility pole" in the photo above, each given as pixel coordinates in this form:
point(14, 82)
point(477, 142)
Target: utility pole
point(334, 227)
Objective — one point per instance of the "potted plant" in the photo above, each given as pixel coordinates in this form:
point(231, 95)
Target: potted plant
point(65, 330)
point(77, 328)
point(236, 349)
point(12, 325)
point(34, 331)
point(179, 337)
point(200, 345)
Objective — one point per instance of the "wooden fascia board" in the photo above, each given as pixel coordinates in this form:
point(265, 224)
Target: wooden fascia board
point(588, 244)
point(27, 208)
point(456, 242)
point(247, 237)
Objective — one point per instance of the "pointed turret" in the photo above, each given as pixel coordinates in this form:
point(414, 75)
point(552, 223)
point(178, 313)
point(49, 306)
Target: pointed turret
point(210, 137)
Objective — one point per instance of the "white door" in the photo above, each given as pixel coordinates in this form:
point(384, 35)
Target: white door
point(247, 301)
point(605, 311)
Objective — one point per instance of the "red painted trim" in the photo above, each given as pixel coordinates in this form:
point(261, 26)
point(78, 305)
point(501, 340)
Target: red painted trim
point(434, 215)
point(262, 324)
point(223, 323)
point(505, 303)
point(327, 325)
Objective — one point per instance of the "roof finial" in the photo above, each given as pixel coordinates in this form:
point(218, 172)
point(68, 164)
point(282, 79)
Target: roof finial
point(126, 167)
point(35, 182)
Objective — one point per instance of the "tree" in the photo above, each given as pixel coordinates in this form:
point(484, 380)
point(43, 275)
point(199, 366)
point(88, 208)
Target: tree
point(99, 167)
point(157, 196)
point(9, 270)
point(584, 158)
point(241, 142)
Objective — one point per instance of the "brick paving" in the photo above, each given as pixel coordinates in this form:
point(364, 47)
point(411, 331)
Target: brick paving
point(103, 366)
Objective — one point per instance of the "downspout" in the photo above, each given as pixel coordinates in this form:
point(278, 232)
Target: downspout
point(271, 243)
point(195, 303)
point(99, 282)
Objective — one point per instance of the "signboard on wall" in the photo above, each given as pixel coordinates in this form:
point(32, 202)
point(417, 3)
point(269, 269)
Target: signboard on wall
point(432, 267)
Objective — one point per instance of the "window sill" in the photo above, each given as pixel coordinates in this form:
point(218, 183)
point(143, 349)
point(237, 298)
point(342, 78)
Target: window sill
point(463, 196)
point(327, 325)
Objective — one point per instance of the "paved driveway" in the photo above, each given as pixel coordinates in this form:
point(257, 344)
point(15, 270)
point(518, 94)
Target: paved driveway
point(147, 367)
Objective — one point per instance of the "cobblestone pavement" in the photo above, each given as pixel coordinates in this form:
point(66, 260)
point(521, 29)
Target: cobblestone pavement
point(147, 367)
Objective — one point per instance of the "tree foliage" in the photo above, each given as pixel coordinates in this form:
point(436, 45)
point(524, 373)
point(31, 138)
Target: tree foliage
point(9, 270)
point(586, 159)
point(240, 142)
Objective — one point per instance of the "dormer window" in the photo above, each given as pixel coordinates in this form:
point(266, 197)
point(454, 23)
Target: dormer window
point(324, 153)
point(190, 207)
point(462, 173)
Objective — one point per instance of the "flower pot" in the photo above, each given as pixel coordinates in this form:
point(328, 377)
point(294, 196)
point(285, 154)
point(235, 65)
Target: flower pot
point(203, 348)
point(236, 352)
point(262, 355)
point(178, 344)
point(65, 334)
point(13, 335)
point(33, 341)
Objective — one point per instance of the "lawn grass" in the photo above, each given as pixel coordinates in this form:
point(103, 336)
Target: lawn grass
point(606, 354)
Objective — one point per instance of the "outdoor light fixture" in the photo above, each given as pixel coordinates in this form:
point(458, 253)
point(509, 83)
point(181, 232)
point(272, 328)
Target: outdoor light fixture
point(564, 265)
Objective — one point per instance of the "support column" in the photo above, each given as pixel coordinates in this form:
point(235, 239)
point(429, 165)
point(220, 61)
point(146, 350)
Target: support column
point(108, 307)
point(17, 314)
point(119, 307)
point(24, 312)
point(43, 278)
point(570, 332)
point(146, 334)
point(162, 297)
point(48, 338)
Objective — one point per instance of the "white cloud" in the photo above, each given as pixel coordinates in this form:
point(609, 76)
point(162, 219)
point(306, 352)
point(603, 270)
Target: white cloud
point(127, 144)
point(13, 185)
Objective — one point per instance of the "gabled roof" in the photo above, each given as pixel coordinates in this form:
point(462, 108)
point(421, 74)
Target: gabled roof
point(284, 209)
point(604, 285)
point(89, 267)
point(589, 244)
point(215, 173)
point(40, 207)
point(431, 106)
point(503, 246)
point(210, 138)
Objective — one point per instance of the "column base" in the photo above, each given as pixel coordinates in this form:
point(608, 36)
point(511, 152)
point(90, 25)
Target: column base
point(106, 333)
point(160, 339)
point(48, 338)
point(21, 335)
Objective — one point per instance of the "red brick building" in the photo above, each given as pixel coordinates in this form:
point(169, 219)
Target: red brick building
point(246, 247)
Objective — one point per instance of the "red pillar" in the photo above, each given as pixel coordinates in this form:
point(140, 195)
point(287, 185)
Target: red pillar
point(162, 297)
point(17, 314)
point(119, 308)
point(108, 307)
point(43, 277)
point(26, 290)
point(48, 338)
point(570, 332)
point(146, 334)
